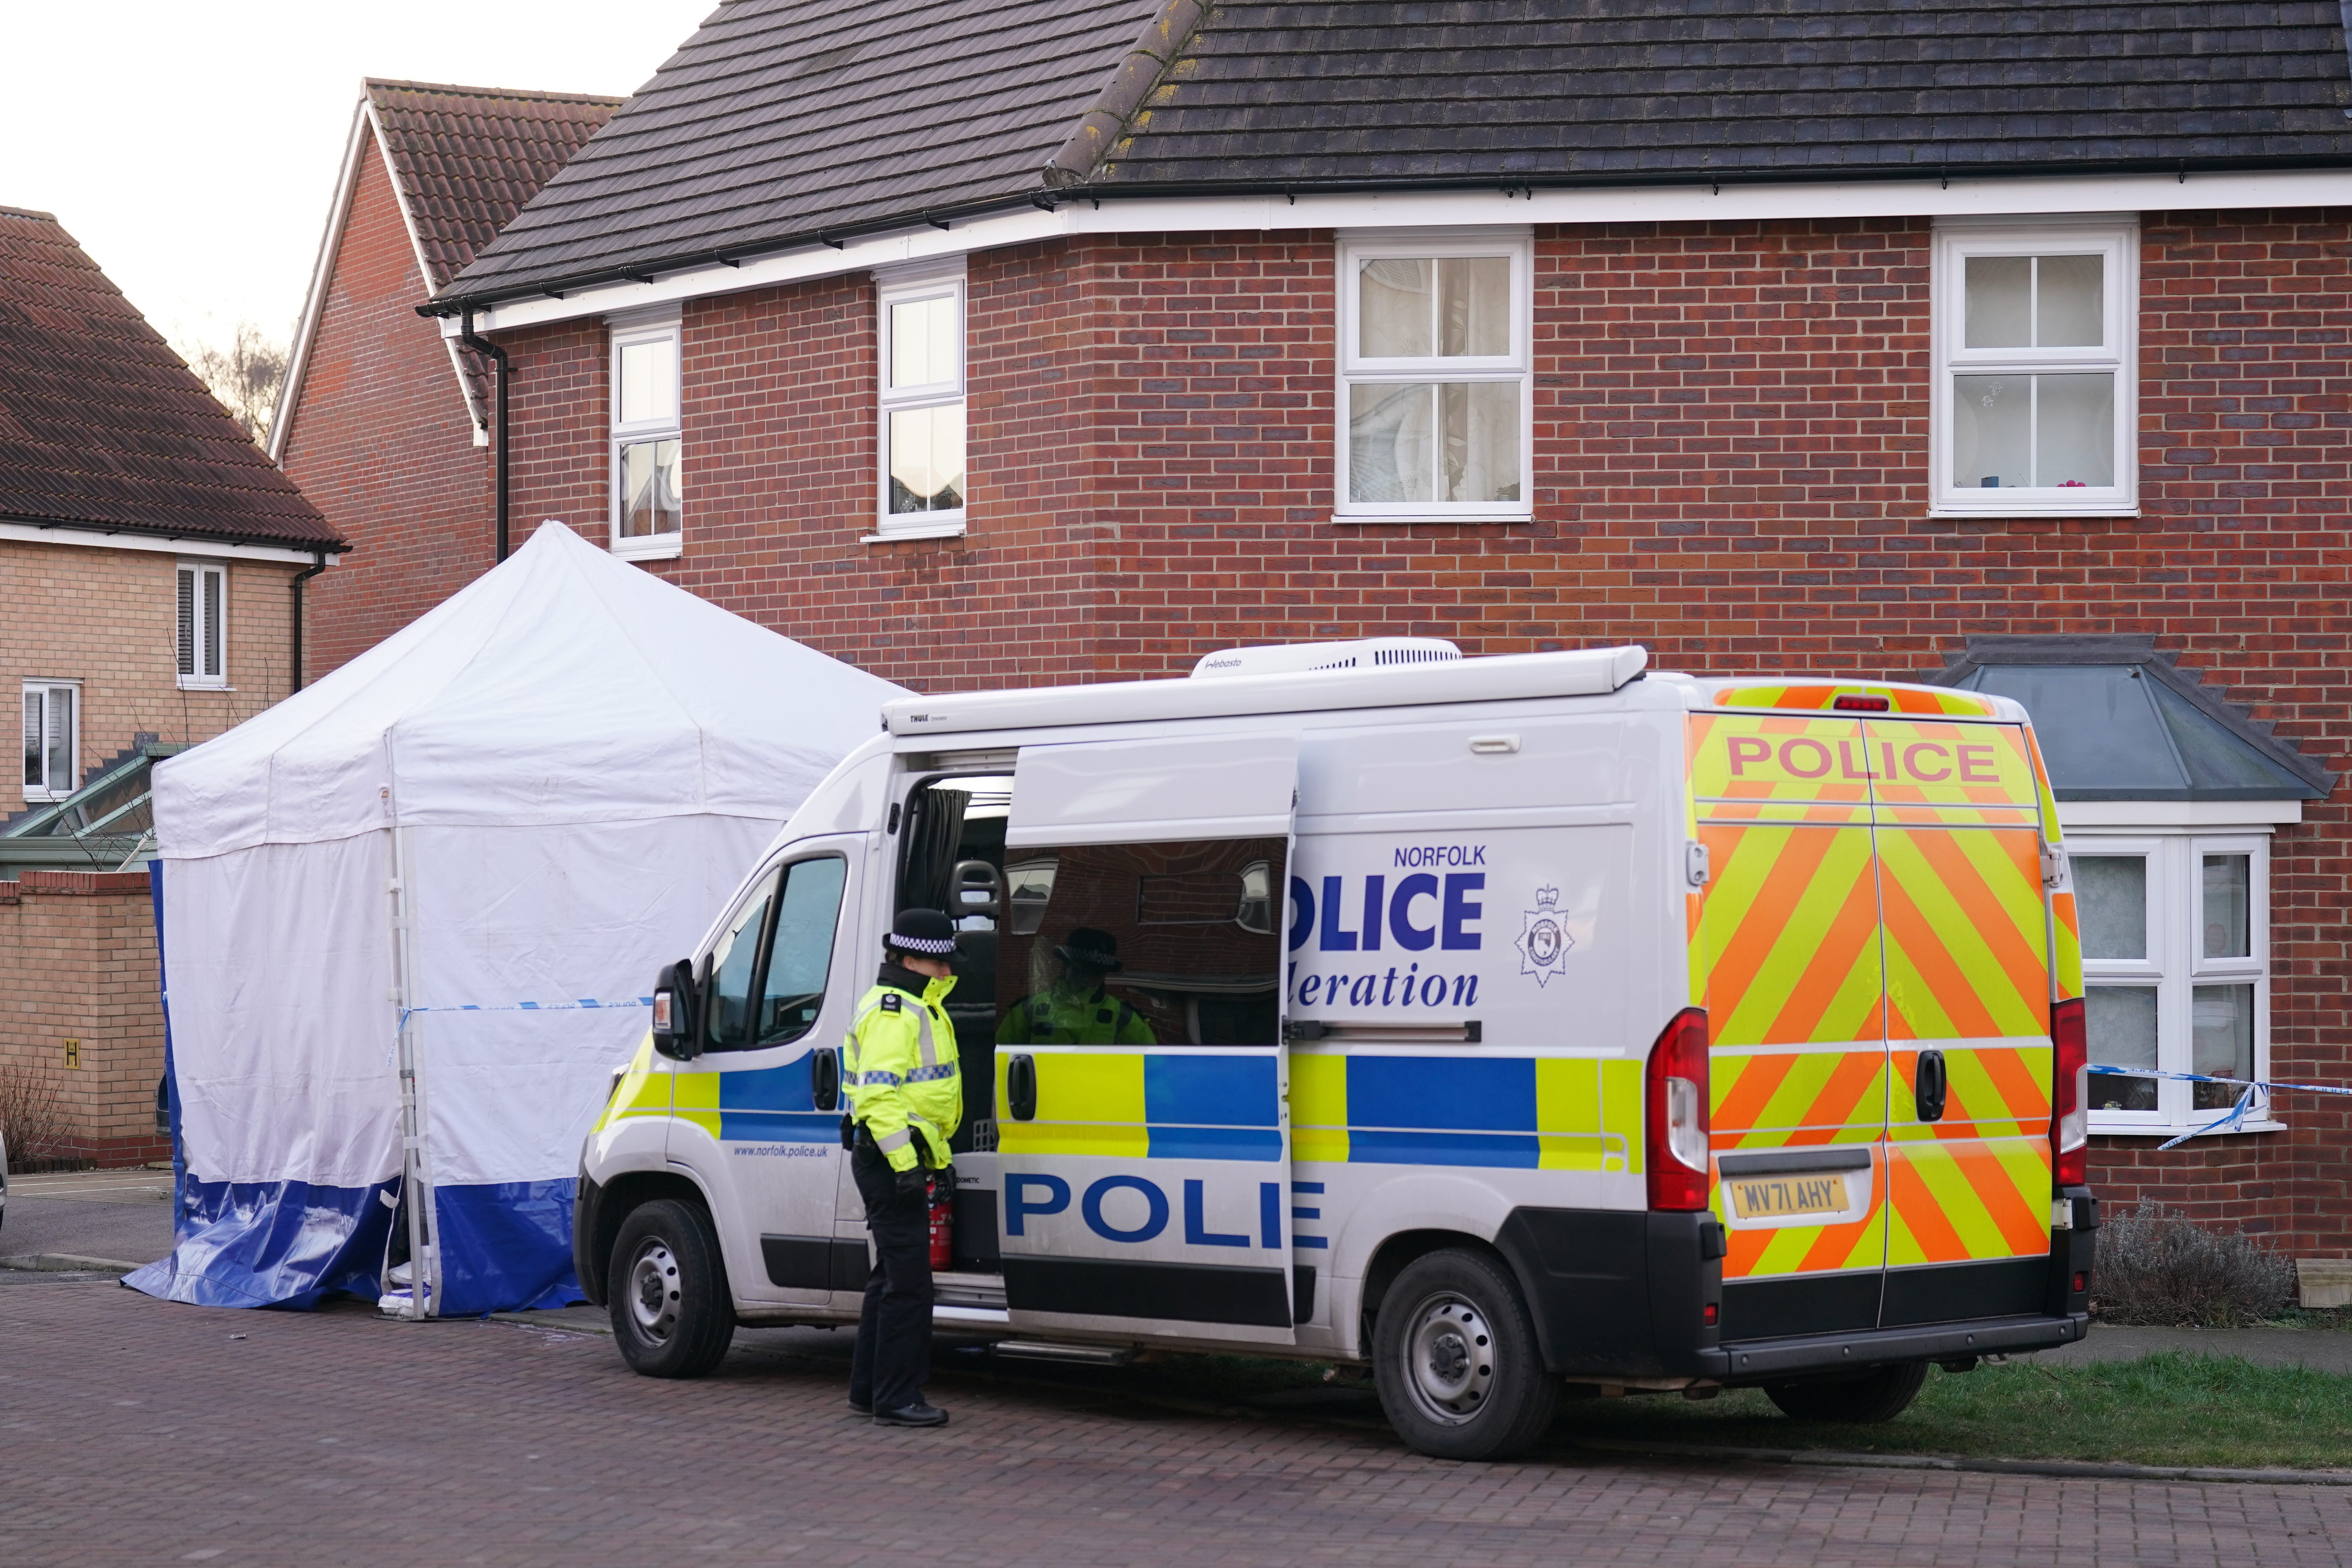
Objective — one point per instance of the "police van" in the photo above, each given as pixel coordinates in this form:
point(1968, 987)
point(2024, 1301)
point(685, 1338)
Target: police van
point(1526, 1026)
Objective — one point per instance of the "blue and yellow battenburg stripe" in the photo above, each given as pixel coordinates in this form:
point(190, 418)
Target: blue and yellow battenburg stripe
point(1147, 1105)
point(1529, 1113)
point(757, 1105)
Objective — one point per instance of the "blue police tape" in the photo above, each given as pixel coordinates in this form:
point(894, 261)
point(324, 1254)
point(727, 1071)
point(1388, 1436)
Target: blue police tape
point(2236, 1115)
point(586, 1004)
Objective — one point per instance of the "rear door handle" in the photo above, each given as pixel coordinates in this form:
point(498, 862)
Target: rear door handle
point(1927, 1085)
point(824, 1079)
point(1020, 1088)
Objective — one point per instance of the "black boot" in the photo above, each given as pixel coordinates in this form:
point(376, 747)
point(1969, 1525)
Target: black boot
point(916, 1415)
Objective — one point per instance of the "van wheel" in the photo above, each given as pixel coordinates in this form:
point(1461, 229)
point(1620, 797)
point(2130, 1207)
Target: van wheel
point(667, 1290)
point(1880, 1394)
point(1454, 1359)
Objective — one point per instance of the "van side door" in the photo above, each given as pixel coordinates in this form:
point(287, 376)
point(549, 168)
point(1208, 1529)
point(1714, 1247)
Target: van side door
point(1143, 1136)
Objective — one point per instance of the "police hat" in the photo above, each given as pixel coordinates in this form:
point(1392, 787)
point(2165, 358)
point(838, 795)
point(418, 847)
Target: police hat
point(1091, 949)
point(926, 931)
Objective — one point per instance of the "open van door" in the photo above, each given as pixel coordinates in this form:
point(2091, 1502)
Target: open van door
point(1144, 1133)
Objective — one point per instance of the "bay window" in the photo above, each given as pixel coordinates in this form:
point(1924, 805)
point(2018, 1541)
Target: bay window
point(1434, 382)
point(2175, 943)
point(2034, 393)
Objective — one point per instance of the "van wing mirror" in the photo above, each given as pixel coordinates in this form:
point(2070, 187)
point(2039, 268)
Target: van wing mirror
point(677, 1008)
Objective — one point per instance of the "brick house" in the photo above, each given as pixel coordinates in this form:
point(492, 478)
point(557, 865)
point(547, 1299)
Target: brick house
point(384, 425)
point(152, 569)
point(1846, 339)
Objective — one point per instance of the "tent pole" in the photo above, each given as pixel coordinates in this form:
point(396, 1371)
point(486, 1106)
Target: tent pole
point(415, 1184)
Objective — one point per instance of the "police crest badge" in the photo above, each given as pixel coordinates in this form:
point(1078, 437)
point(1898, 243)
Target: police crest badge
point(1543, 941)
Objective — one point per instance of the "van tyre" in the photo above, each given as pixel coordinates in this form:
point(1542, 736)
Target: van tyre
point(667, 1290)
point(1455, 1359)
point(1880, 1394)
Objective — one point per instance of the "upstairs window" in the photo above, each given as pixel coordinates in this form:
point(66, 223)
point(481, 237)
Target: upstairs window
point(922, 405)
point(52, 738)
point(648, 506)
point(2035, 391)
point(202, 635)
point(1434, 379)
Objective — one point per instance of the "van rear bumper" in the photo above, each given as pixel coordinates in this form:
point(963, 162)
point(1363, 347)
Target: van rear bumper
point(1744, 1361)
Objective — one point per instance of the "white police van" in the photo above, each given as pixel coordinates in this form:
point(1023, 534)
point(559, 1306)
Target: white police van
point(1425, 1077)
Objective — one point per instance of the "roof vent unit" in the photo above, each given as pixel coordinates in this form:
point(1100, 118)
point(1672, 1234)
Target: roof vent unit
point(1300, 657)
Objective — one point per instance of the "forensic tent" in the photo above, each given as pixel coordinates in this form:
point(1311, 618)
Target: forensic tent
point(463, 855)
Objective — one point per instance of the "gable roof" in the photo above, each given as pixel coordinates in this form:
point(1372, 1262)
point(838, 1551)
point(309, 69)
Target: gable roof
point(102, 426)
point(2117, 720)
point(783, 123)
point(462, 162)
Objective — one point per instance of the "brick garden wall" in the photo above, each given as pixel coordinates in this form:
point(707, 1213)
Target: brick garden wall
point(1731, 438)
point(382, 442)
point(78, 963)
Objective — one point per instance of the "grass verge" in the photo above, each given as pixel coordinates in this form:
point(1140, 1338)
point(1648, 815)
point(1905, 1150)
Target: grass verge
point(2163, 1410)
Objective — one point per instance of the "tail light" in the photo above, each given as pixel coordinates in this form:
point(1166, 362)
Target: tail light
point(2070, 1096)
point(1674, 1109)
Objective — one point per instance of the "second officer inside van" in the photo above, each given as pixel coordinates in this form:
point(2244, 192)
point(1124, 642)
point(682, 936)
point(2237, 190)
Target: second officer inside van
point(906, 1101)
point(1075, 1010)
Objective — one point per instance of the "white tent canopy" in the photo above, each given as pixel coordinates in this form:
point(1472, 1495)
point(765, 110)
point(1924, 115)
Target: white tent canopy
point(527, 800)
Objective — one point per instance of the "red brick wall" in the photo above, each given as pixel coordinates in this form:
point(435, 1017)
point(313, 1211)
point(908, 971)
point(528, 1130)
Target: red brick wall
point(381, 443)
point(1731, 436)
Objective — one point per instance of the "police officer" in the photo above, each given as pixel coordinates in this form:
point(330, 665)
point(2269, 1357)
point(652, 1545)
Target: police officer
point(1075, 1010)
point(905, 1099)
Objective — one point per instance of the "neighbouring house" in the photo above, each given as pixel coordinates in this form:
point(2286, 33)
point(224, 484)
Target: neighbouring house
point(2006, 344)
point(152, 570)
point(383, 425)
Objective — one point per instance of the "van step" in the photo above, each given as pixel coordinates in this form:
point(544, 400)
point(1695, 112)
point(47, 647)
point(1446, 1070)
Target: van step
point(1091, 1355)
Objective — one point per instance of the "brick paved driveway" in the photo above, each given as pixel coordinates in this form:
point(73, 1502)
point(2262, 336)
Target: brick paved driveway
point(135, 1432)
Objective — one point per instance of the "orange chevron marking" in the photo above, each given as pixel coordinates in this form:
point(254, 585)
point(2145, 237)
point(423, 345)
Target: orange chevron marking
point(1835, 1246)
point(1923, 1214)
point(1945, 980)
point(1985, 908)
point(1751, 1091)
point(2024, 1097)
point(1751, 947)
point(1853, 930)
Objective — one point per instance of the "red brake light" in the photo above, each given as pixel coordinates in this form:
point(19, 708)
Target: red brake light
point(1856, 704)
point(1674, 1110)
point(2070, 1096)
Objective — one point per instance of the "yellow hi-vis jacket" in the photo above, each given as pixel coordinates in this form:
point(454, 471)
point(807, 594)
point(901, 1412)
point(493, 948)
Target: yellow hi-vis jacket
point(899, 1068)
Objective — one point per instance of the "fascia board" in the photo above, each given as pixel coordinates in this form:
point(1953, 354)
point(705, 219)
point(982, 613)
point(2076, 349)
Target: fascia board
point(322, 275)
point(2259, 816)
point(1927, 197)
point(478, 416)
point(191, 544)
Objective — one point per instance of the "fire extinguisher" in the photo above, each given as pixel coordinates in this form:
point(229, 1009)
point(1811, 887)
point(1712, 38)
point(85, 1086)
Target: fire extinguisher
point(942, 1216)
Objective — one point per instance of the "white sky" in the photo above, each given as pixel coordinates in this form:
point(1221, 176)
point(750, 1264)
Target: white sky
point(192, 145)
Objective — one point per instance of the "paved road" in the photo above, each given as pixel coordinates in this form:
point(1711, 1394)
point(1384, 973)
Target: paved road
point(121, 1215)
point(136, 1432)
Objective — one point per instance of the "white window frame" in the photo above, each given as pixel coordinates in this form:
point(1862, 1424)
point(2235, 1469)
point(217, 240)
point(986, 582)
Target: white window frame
point(52, 789)
point(625, 331)
point(2115, 240)
point(899, 287)
point(2176, 966)
point(1351, 367)
point(197, 677)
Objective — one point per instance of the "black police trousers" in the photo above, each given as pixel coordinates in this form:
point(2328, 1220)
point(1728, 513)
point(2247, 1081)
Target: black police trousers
point(893, 1358)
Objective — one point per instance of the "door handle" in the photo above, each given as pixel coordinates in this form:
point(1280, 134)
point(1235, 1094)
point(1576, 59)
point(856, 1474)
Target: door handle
point(1020, 1088)
point(1927, 1085)
point(824, 1079)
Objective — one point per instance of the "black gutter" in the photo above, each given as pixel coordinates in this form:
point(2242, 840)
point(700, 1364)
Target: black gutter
point(505, 373)
point(317, 564)
point(1049, 197)
point(173, 535)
